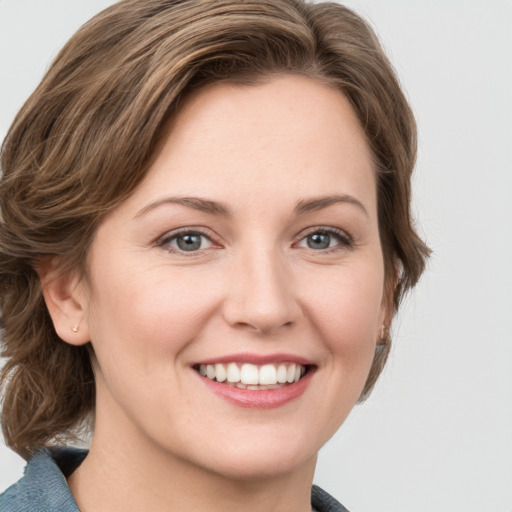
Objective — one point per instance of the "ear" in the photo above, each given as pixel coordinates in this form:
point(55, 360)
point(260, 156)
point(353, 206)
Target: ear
point(387, 306)
point(65, 299)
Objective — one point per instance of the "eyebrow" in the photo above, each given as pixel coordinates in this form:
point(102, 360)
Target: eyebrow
point(311, 205)
point(197, 203)
point(215, 208)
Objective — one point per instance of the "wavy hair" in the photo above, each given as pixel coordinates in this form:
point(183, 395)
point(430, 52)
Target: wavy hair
point(85, 138)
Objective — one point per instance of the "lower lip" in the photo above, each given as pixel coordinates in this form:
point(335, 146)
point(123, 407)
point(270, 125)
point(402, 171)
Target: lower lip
point(259, 398)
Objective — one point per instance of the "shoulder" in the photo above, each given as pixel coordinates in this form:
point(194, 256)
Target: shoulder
point(43, 487)
point(322, 501)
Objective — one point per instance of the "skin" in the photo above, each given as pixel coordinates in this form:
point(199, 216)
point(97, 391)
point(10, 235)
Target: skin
point(163, 440)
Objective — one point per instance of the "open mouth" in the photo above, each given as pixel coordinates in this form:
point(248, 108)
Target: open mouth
point(253, 376)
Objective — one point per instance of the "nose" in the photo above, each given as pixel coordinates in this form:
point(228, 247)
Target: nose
point(261, 295)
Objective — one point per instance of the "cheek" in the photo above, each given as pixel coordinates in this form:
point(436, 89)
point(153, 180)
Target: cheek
point(148, 313)
point(347, 311)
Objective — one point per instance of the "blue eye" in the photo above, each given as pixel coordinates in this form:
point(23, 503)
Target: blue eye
point(323, 239)
point(189, 241)
point(318, 241)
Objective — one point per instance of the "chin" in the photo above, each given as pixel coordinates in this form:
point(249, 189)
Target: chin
point(257, 467)
point(259, 457)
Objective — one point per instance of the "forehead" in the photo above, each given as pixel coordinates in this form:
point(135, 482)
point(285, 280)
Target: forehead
point(290, 134)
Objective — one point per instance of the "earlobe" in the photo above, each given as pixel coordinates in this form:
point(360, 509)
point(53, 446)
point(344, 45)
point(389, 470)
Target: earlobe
point(386, 316)
point(65, 301)
point(384, 332)
point(388, 306)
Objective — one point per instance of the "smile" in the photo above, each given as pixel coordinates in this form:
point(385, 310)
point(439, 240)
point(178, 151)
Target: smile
point(253, 376)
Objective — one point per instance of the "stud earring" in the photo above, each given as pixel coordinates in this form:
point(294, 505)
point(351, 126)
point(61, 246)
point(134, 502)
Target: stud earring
point(75, 328)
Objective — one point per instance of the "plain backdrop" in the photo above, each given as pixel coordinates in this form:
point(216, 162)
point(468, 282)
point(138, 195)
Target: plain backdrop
point(436, 435)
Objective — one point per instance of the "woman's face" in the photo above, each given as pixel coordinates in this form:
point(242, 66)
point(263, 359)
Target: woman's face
point(250, 253)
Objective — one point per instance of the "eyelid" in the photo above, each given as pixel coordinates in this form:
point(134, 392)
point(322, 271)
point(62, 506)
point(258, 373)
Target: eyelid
point(163, 240)
point(346, 238)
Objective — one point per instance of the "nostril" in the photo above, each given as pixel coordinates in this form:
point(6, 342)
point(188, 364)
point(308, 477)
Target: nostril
point(263, 300)
point(263, 323)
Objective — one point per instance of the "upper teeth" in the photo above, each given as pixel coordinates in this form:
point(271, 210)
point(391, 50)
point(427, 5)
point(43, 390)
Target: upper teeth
point(252, 374)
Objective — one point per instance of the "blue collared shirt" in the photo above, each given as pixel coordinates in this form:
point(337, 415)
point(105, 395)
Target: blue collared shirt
point(43, 488)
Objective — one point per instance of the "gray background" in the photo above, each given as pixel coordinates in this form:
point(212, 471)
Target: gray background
point(437, 433)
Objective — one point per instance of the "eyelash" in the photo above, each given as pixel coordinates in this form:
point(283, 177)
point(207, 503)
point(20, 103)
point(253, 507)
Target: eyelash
point(345, 240)
point(165, 241)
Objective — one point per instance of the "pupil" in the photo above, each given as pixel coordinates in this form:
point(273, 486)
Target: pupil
point(189, 242)
point(319, 241)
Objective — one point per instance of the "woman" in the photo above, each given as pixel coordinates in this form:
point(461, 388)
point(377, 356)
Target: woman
point(205, 235)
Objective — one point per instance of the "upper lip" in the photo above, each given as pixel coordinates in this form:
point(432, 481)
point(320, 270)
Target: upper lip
point(257, 359)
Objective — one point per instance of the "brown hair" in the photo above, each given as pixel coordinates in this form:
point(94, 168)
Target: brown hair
point(85, 138)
